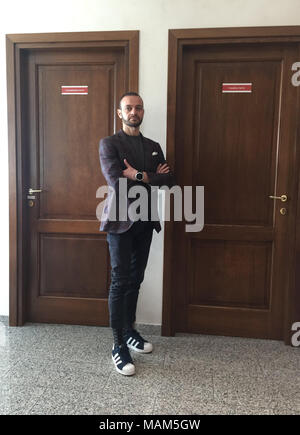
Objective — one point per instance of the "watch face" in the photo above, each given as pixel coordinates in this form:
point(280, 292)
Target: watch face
point(139, 176)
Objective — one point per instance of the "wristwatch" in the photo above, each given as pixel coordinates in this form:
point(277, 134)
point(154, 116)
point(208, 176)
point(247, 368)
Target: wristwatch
point(139, 176)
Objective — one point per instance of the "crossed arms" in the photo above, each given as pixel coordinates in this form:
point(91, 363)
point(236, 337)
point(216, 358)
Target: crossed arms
point(112, 171)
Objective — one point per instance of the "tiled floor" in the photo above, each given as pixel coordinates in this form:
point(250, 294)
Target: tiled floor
point(59, 369)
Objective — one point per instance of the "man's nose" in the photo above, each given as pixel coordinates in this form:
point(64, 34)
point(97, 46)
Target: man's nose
point(133, 111)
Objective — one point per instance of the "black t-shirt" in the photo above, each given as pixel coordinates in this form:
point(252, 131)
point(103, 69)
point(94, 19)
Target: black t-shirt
point(138, 153)
point(137, 148)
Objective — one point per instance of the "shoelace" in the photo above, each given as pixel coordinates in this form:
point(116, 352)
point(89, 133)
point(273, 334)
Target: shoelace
point(137, 336)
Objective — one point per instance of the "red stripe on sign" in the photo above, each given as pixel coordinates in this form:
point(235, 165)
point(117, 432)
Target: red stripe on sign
point(236, 87)
point(74, 90)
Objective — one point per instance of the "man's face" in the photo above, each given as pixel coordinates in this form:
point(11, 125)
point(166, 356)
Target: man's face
point(132, 111)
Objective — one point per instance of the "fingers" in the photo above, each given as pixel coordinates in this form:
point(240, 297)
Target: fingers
point(127, 164)
point(163, 168)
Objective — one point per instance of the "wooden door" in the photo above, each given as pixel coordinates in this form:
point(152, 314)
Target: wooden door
point(232, 277)
point(67, 261)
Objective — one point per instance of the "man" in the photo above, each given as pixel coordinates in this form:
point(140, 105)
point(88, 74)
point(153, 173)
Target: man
point(129, 155)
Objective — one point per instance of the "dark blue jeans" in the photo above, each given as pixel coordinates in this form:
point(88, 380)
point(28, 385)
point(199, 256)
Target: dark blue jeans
point(129, 253)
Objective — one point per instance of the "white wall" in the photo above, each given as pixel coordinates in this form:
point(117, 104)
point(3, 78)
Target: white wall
point(153, 19)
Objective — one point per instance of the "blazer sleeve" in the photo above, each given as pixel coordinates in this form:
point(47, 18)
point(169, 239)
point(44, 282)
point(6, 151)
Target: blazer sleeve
point(109, 161)
point(161, 179)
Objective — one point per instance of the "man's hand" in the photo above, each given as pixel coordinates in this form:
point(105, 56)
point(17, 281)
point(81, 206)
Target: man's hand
point(130, 171)
point(162, 168)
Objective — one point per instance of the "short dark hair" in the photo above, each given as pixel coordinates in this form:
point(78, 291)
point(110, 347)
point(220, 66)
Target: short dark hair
point(135, 94)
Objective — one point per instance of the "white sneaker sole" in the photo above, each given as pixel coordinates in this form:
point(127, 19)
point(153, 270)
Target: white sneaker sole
point(127, 370)
point(135, 349)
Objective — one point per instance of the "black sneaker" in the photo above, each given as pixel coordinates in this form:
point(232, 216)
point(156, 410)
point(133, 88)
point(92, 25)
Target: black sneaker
point(122, 360)
point(137, 343)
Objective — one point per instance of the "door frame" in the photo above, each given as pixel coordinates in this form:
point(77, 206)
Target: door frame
point(15, 44)
point(178, 39)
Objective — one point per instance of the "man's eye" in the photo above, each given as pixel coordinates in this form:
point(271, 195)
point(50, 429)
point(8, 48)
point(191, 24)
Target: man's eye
point(129, 108)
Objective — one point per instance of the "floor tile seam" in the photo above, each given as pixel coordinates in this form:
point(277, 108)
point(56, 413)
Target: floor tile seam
point(35, 402)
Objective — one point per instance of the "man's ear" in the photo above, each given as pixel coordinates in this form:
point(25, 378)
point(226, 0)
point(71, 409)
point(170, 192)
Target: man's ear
point(119, 112)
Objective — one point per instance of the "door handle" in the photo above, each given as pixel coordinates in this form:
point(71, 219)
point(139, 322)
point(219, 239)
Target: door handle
point(283, 198)
point(31, 191)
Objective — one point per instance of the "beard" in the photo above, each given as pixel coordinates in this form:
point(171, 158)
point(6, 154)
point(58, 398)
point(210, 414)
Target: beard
point(132, 123)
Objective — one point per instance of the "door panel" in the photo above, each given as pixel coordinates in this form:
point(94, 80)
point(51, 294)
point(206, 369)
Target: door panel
point(76, 273)
point(222, 284)
point(239, 147)
point(231, 142)
point(69, 124)
point(68, 259)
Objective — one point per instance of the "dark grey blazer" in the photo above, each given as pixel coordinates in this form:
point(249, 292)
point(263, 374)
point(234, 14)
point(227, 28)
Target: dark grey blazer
point(113, 150)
